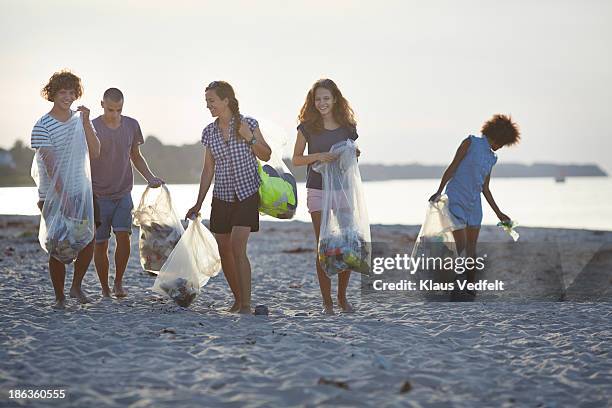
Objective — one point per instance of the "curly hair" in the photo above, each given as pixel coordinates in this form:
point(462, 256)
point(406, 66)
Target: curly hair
point(502, 130)
point(62, 80)
point(224, 90)
point(311, 118)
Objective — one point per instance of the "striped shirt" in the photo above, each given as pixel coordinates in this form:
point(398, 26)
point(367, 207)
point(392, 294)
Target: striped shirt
point(70, 153)
point(236, 174)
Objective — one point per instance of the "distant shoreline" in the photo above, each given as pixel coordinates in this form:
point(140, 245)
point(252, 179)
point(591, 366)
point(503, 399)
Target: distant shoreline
point(163, 161)
point(4, 182)
point(138, 180)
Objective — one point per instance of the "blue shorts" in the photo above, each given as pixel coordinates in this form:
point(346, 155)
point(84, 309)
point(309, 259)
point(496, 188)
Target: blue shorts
point(471, 217)
point(116, 214)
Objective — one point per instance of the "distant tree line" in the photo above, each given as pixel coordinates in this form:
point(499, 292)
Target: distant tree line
point(183, 164)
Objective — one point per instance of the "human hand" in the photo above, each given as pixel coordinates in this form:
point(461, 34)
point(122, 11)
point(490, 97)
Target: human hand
point(326, 157)
point(84, 113)
point(245, 131)
point(435, 197)
point(156, 182)
point(503, 217)
point(193, 212)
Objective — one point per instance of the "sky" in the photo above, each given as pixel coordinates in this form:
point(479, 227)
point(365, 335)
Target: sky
point(420, 76)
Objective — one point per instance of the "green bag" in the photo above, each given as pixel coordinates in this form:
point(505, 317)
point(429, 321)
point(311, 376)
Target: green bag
point(277, 192)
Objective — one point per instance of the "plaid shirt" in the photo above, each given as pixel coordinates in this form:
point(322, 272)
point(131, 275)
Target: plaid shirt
point(236, 174)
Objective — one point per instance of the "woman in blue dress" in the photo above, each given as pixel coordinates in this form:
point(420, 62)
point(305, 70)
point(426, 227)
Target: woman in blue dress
point(468, 175)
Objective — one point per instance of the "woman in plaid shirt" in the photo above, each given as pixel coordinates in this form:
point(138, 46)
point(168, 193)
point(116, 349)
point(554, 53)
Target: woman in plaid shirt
point(234, 143)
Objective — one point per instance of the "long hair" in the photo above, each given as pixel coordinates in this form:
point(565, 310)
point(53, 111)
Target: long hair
point(311, 118)
point(224, 90)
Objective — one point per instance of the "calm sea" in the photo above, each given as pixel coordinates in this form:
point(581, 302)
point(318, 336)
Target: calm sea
point(582, 202)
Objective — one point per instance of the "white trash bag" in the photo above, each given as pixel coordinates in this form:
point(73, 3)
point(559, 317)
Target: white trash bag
point(160, 228)
point(194, 260)
point(344, 241)
point(67, 220)
point(435, 239)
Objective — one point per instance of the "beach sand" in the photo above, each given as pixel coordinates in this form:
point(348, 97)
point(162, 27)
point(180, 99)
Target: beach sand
point(145, 351)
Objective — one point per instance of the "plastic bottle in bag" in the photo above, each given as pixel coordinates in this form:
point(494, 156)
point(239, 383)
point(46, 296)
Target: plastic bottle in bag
point(510, 228)
point(344, 240)
point(193, 261)
point(67, 220)
point(160, 228)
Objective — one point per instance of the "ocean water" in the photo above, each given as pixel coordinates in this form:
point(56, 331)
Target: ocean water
point(581, 202)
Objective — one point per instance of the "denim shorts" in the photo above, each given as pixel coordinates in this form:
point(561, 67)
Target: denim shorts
point(116, 214)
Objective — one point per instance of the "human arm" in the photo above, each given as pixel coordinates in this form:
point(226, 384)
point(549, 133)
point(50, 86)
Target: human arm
point(93, 143)
point(452, 167)
point(206, 178)
point(57, 194)
point(260, 147)
point(143, 168)
point(489, 197)
point(300, 159)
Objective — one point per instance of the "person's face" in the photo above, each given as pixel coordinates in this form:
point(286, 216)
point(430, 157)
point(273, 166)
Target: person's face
point(64, 97)
point(215, 105)
point(112, 109)
point(324, 101)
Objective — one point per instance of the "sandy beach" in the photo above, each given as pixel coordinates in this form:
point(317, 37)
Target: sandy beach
point(145, 351)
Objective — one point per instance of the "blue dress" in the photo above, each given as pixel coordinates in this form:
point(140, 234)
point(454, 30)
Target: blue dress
point(464, 189)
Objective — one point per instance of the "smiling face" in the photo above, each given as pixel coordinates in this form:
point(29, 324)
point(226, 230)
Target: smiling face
point(64, 98)
point(324, 101)
point(215, 105)
point(112, 109)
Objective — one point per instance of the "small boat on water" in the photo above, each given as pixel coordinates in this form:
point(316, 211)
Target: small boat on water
point(560, 178)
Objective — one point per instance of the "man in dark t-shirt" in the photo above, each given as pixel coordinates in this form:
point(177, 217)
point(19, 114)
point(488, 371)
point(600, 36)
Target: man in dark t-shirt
point(112, 178)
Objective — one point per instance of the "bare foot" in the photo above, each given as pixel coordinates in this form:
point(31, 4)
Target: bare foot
point(245, 310)
point(78, 294)
point(235, 307)
point(345, 306)
point(106, 293)
point(328, 309)
point(59, 304)
point(119, 291)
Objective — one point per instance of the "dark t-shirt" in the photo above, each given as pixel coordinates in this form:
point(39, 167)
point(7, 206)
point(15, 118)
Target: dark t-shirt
point(321, 143)
point(111, 173)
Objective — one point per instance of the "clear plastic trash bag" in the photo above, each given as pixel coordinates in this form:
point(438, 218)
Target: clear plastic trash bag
point(160, 228)
point(435, 239)
point(194, 260)
point(344, 240)
point(278, 189)
point(67, 220)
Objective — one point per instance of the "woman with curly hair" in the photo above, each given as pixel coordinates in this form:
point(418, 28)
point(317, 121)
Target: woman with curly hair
point(233, 145)
point(468, 175)
point(325, 119)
